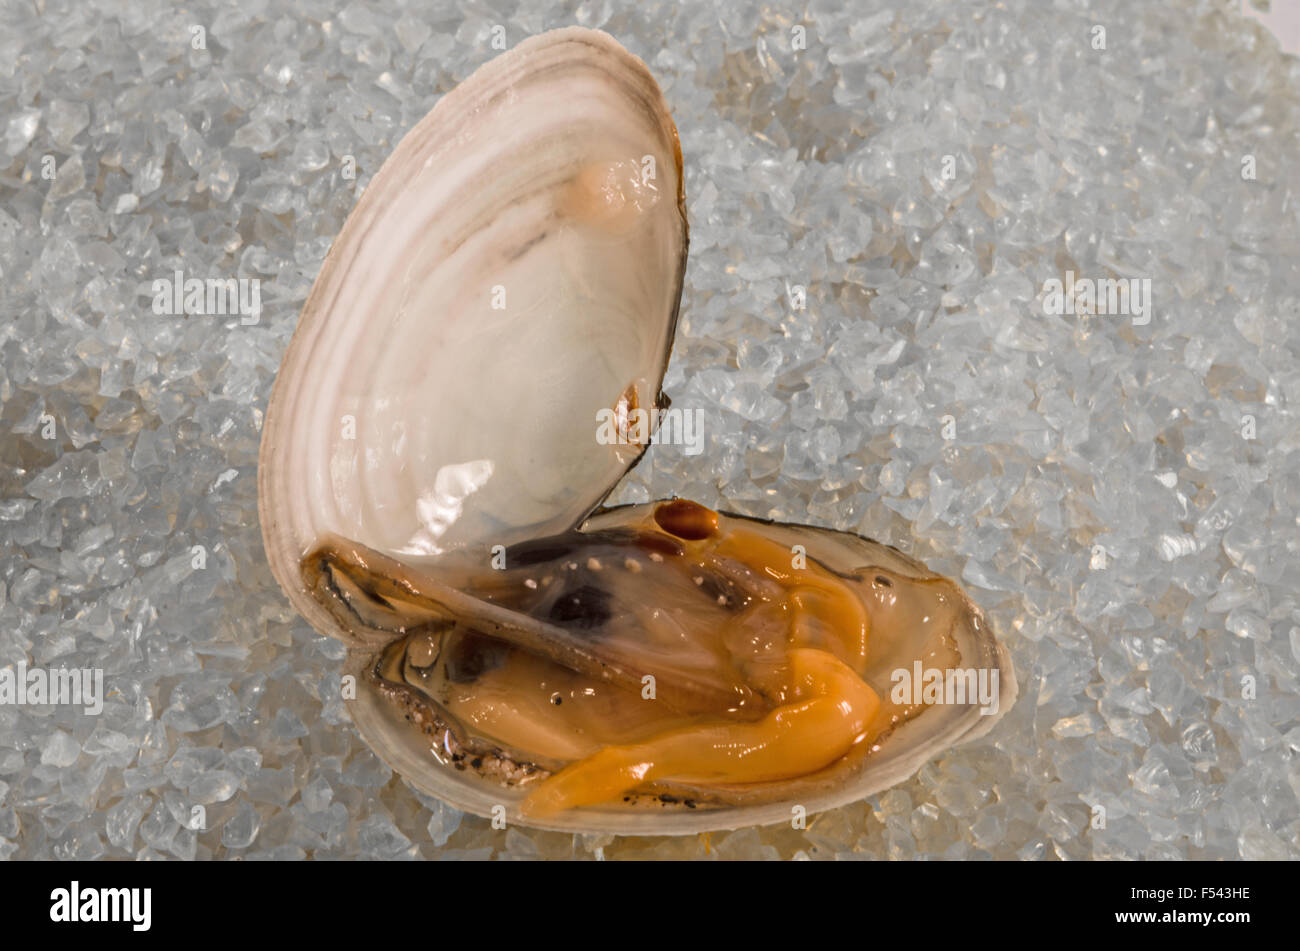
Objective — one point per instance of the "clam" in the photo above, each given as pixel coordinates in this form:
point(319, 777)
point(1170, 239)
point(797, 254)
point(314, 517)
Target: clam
point(431, 483)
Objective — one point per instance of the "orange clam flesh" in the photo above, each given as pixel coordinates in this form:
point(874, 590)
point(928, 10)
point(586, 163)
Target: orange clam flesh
point(673, 656)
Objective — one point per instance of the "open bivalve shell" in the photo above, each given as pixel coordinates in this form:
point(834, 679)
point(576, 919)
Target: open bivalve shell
point(430, 465)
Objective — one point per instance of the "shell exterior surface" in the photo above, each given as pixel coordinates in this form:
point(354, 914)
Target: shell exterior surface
point(514, 269)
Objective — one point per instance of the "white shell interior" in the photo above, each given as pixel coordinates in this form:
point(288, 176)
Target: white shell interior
point(513, 268)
